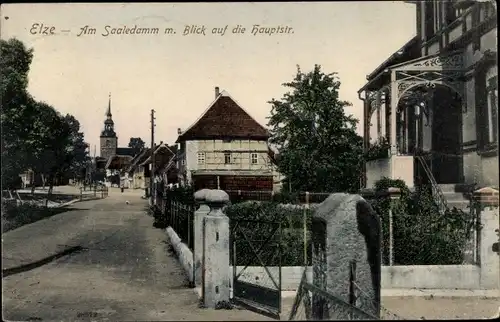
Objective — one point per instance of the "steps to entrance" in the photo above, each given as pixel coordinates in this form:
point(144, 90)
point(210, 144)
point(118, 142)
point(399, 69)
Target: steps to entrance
point(454, 198)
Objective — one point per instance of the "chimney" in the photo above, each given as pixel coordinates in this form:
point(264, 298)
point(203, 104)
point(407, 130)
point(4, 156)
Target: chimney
point(179, 131)
point(217, 91)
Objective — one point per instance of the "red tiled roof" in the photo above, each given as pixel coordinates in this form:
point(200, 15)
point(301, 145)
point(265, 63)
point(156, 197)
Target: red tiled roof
point(225, 119)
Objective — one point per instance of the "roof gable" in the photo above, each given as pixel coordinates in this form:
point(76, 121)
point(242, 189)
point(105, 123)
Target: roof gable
point(140, 157)
point(225, 118)
point(163, 153)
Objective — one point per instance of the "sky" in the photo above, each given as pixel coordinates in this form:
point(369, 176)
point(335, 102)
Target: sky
point(75, 68)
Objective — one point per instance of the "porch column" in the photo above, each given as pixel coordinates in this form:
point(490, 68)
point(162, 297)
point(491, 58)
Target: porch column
point(406, 129)
point(366, 133)
point(366, 122)
point(394, 106)
point(379, 114)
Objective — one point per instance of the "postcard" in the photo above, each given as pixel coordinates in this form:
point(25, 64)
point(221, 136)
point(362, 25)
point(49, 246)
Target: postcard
point(248, 161)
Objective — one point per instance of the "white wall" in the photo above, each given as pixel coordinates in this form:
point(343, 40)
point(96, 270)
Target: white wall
point(375, 170)
point(290, 276)
point(241, 151)
point(402, 168)
point(396, 167)
point(466, 277)
point(240, 155)
point(431, 277)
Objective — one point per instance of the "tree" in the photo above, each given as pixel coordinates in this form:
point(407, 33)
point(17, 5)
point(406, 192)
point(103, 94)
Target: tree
point(15, 60)
point(137, 144)
point(317, 142)
point(35, 136)
point(77, 159)
point(48, 142)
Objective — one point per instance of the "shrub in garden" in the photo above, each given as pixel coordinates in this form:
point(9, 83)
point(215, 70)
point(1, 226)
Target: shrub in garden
point(421, 234)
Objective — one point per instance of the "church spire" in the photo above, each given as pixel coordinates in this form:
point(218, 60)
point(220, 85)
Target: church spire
point(109, 125)
point(108, 113)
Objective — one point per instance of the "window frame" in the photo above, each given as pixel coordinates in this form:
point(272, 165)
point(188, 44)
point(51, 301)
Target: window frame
point(430, 20)
point(227, 158)
point(252, 155)
point(483, 88)
point(492, 111)
point(451, 14)
point(201, 157)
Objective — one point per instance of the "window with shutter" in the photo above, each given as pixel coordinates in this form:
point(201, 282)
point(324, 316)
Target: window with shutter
point(429, 13)
point(480, 102)
point(492, 109)
point(486, 91)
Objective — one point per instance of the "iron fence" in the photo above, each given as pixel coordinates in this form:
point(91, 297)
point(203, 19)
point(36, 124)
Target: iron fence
point(415, 232)
point(179, 214)
point(94, 191)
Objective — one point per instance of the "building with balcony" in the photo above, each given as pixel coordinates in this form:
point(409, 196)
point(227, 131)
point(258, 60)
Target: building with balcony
point(431, 109)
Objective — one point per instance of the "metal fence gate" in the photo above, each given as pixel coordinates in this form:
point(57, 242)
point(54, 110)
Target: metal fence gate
point(256, 261)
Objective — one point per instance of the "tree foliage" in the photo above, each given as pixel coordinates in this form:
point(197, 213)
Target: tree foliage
point(34, 135)
point(318, 146)
point(137, 144)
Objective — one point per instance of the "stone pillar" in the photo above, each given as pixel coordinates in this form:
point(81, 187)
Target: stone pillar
point(486, 200)
point(199, 216)
point(353, 234)
point(216, 274)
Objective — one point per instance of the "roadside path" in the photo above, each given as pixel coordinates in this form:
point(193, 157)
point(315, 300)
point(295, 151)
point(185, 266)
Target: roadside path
point(126, 270)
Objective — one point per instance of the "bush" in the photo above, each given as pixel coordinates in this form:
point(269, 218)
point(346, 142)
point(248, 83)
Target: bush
point(378, 150)
point(422, 235)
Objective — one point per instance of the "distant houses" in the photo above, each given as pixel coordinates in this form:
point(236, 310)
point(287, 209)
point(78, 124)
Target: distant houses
point(224, 148)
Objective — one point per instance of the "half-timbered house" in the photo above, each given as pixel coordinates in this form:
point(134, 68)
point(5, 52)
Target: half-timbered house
point(226, 148)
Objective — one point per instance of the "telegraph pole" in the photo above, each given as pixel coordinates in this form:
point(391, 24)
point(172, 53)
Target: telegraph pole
point(151, 180)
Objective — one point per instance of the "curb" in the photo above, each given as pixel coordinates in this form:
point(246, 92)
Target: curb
point(439, 293)
point(78, 200)
point(184, 254)
point(68, 203)
point(424, 292)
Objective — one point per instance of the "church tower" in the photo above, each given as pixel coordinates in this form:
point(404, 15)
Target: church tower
point(109, 140)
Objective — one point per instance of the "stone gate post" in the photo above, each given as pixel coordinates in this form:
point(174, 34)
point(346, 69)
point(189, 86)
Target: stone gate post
point(486, 200)
point(347, 230)
point(199, 216)
point(216, 274)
